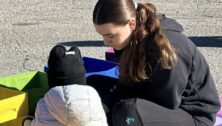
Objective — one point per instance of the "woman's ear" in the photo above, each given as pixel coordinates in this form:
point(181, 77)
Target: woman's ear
point(132, 24)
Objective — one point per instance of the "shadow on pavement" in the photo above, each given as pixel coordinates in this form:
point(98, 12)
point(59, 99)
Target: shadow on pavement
point(200, 41)
point(207, 41)
point(86, 43)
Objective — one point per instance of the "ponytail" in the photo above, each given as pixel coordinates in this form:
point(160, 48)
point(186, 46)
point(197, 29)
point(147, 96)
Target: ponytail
point(148, 42)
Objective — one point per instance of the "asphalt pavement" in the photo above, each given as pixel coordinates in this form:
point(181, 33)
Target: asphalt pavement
point(30, 28)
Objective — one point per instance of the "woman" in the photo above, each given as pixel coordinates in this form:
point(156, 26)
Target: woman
point(158, 65)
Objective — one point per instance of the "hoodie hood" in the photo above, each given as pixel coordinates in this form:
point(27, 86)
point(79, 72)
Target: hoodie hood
point(169, 24)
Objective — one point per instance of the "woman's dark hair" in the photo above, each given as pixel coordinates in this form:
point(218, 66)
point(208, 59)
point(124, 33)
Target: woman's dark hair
point(117, 12)
point(147, 40)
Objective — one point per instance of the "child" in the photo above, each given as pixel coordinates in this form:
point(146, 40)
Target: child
point(69, 101)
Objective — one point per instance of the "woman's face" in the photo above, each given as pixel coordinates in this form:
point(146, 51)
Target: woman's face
point(116, 36)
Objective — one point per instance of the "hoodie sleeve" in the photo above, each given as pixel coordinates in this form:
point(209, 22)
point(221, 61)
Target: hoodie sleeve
point(203, 102)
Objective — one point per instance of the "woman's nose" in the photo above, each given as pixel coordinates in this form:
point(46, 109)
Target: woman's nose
point(106, 39)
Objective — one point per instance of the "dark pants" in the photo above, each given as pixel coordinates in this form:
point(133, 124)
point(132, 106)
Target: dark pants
point(139, 112)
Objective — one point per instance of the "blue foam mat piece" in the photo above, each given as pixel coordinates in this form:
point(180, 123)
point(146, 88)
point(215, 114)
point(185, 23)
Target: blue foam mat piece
point(100, 67)
point(113, 72)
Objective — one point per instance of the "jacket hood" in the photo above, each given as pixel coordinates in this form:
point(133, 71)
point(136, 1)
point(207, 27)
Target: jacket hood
point(75, 105)
point(169, 24)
